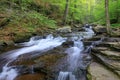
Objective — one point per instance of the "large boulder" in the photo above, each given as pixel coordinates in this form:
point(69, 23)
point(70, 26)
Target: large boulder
point(37, 76)
point(116, 32)
point(100, 29)
point(65, 29)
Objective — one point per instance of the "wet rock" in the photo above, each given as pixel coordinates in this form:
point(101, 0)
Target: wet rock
point(94, 38)
point(19, 38)
point(87, 43)
point(68, 44)
point(116, 32)
point(116, 47)
point(97, 71)
point(111, 64)
point(112, 39)
point(39, 67)
point(77, 28)
point(22, 69)
point(37, 76)
point(99, 29)
point(113, 54)
point(85, 61)
point(2, 44)
point(9, 42)
point(65, 29)
point(106, 52)
point(78, 25)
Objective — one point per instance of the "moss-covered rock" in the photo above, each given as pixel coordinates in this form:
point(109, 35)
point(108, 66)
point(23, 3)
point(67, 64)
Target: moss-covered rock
point(115, 32)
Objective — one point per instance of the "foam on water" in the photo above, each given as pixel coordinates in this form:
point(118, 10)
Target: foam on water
point(74, 53)
point(66, 76)
point(8, 73)
point(45, 44)
point(40, 45)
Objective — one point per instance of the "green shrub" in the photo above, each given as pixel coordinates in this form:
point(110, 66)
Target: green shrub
point(32, 19)
point(41, 20)
point(115, 25)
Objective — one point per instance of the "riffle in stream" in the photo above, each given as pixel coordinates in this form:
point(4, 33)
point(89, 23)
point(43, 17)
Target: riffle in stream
point(39, 44)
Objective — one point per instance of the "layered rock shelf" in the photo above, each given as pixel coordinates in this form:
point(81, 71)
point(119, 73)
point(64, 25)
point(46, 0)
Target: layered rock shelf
point(106, 61)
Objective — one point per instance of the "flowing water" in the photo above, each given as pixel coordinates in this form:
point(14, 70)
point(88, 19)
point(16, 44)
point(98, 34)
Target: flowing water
point(40, 44)
point(74, 55)
point(66, 76)
point(8, 73)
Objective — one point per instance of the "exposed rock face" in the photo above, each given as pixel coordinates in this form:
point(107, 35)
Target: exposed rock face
point(108, 54)
point(65, 29)
point(98, 72)
point(110, 59)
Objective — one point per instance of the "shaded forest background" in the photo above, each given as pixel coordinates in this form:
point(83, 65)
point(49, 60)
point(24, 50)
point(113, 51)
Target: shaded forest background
point(80, 11)
point(21, 18)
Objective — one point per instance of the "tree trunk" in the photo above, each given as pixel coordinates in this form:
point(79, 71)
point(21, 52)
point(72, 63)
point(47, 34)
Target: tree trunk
point(66, 12)
point(118, 14)
point(107, 16)
point(72, 14)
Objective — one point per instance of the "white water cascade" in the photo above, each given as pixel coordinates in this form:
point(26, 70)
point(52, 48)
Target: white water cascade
point(8, 73)
point(38, 44)
point(74, 54)
point(73, 58)
point(66, 76)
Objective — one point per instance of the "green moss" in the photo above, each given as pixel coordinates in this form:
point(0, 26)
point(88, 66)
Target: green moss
point(89, 77)
point(22, 37)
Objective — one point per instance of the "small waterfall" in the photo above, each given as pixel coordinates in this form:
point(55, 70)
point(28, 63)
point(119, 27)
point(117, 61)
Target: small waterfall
point(9, 73)
point(63, 75)
point(73, 60)
point(66, 76)
point(32, 69)
point(74, 54)
point(89, 32)
point(33, 41)
point(40, 45)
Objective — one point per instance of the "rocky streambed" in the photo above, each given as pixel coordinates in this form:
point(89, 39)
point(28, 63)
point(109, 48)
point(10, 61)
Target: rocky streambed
point(99, 60)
